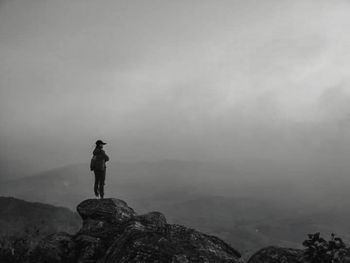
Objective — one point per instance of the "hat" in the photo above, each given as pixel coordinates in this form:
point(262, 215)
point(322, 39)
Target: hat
point(99, 142)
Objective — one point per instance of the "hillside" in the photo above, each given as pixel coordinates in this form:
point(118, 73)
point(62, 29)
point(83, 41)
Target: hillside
point(19, 217)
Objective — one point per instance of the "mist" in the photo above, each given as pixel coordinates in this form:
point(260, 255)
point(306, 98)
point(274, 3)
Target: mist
point(184, 80)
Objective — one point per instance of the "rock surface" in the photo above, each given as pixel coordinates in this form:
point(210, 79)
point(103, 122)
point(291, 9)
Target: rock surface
point(55, 248)
point(112, 232)
point(110, 210)
point(277, 255)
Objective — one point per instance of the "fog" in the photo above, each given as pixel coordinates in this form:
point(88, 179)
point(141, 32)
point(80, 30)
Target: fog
point(216, 81)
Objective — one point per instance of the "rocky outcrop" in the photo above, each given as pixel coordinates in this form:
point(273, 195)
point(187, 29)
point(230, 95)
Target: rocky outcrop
point(112, 232)
point(277, 255)
point(103, 218)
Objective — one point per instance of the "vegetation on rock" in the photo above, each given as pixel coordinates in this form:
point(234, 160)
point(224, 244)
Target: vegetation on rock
point(319, 250)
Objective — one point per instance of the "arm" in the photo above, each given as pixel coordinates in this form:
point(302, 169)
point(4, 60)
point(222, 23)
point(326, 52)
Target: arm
point(105, 156)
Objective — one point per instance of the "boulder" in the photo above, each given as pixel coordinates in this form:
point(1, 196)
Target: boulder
point(109, 210)
point(170, 243)
point(103, 218)
point(277, 255)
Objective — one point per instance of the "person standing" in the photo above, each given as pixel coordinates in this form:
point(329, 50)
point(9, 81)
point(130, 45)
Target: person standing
point(99, 167)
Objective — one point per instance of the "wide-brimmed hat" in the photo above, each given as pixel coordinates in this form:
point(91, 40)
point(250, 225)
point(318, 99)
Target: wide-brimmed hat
point(99, 142)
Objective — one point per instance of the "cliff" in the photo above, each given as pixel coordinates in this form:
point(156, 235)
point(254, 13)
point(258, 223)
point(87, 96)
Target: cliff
point(114, 232)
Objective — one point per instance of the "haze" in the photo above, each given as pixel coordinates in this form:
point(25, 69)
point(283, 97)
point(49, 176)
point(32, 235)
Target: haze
point(186, 80)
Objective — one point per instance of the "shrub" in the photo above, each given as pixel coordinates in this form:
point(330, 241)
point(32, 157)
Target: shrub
point(319, 250)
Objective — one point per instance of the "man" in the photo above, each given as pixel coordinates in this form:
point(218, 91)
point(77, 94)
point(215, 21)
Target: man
point(99, 168)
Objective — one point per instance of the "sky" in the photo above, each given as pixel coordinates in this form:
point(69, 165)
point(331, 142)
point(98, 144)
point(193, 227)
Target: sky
point(192, 80)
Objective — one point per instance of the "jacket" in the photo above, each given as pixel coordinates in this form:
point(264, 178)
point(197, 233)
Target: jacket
point(101, 159)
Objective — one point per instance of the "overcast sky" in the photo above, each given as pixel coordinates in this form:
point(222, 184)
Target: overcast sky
point(199, 80)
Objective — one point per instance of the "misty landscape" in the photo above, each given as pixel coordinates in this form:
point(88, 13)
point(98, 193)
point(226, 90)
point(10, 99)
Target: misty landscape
point(250, 206)
point(229, 118)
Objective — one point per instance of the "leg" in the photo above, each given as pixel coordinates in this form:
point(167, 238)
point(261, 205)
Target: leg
point(102, 183)
point(96, 183)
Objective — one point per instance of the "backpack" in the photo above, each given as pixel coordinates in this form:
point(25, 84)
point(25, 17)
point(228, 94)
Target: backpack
point(93, 163)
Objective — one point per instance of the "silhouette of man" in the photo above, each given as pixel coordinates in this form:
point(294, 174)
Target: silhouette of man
point(100, 168)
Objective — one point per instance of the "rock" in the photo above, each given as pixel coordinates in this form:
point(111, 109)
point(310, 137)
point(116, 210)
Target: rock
point(277, 255)
point(89, 248)
point(112, 232)
point(55, 248)
point(171, 243)
point(103, 218)
point(196, 246)
point(153, 220)
point(108, 210)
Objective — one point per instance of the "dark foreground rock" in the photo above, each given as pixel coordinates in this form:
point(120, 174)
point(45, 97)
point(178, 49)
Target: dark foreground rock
point(277, 255)
point(112, 232)
point(58, 247)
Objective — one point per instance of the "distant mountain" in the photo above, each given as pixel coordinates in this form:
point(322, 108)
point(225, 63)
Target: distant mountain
point(66, 186)
point(169, 179)
point(18, 217)
point(14, 169)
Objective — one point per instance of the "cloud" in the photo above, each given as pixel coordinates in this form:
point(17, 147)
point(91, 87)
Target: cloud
point(193, 78)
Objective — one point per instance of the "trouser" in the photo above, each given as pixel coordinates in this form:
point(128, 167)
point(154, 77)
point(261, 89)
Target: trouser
point(100, 177)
